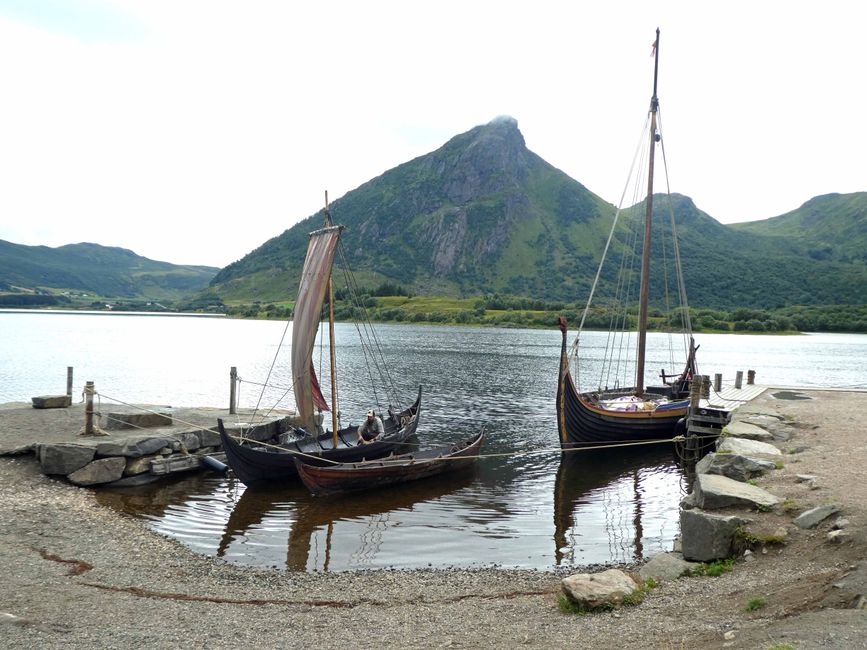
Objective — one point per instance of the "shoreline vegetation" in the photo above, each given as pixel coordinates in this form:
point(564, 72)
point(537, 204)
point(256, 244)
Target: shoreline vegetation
point(392, 304)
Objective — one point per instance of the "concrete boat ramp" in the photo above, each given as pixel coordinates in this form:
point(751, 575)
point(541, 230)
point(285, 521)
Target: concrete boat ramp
point(131, 445)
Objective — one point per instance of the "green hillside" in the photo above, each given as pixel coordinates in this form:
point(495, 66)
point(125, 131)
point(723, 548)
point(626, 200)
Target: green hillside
point(102, 271)
point(483, 215)
point(832, 227)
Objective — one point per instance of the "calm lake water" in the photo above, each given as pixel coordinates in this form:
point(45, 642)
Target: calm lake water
point(534, 509)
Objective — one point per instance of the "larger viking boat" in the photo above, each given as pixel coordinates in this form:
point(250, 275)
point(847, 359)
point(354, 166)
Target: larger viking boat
point(603, 393)
point(256, 461)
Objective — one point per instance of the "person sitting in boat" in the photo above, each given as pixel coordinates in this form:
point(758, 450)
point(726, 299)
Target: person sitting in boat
point(371, 429)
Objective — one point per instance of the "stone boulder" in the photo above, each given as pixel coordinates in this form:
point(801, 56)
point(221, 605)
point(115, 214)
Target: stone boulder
point(747, 431)
point(665, 566)
point(744, 447)
point(712, 491)
point(51, 401)
point(141, 465)
point(706, 536)
point(772, 423)
point(102, 470)
point(64, 457)
point(209, 438)
point(138, 419)
point(733, 466)
point(595, 590)
point(815, 516)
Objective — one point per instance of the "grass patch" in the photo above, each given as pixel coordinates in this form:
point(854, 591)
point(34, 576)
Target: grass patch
point(744, 540)
point(789, 506)
point(779, 464)
point(569, 606)
point(713, 569)
point(756, 603)
point(782, 646)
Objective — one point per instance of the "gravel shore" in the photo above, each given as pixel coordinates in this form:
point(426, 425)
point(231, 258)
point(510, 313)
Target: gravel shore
point(81, 575)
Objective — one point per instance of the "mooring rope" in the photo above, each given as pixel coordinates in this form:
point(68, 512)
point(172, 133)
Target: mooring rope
point(505, 454)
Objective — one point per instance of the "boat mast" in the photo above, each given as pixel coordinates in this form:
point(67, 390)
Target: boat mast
point(648, 220)
point(331, 339)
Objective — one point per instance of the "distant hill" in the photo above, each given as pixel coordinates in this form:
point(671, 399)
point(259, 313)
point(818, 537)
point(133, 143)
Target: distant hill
point(483, 214)
point(832, 227)
point(99, 270)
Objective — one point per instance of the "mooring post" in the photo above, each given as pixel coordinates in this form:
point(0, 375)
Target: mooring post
point(88, 408)
point(695, 390)
point(751, 377)
point(692, 445)
point(68, 385)
point(705, 386)
point(717, 382)
point(739, 379)
point(233, 379)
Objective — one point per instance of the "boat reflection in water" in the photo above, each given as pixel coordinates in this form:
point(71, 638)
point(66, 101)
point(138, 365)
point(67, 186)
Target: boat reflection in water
point(620, 502)
point(350, 526)
point(577, 509)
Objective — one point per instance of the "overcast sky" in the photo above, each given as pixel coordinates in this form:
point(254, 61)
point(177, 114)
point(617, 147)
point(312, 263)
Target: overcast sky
point(191, 131)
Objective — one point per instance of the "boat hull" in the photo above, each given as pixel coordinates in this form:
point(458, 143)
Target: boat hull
point(323, 479)
point(255, 463)
point(583, 421)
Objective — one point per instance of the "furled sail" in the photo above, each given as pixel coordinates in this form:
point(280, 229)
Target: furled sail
point(308, 308)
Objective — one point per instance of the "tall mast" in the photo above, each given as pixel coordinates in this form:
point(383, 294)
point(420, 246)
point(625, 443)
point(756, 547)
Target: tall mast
point(648, 220)
point(331, 340)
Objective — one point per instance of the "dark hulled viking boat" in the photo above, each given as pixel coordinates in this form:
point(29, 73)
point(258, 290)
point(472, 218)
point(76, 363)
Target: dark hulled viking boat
point(255, 462)
point(618, 407)
point(325, 478)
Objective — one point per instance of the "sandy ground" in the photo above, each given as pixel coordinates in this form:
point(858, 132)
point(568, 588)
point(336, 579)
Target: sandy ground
point(79, 575)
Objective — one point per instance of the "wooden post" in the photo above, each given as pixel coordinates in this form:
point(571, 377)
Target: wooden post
point(88, 408)
point(751, 377)
point(739, 379)
point(695, 390)
point(717, 382)
point(233, 380)
point(705, 386)
point(68, 385)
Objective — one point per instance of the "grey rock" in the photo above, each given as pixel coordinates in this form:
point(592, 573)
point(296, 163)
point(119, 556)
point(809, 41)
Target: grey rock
point(747, 431)
point(713, 491)
point(208, 438)
point(138, 419)
point(665, 566)
point(744, 447)
point(64, 457)
point(815, 516)
point(707, 536)
point(771, 423)
point(50, 401)
point(110, 448)
point(593, 590)
point(102, 470)
point(146, 446)
point(839, 537)
point(734, 466)
point(141, 465)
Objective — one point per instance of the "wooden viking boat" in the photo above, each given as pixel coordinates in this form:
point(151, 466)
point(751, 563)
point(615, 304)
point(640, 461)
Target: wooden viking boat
point(620, 408)
point(323, 478)
point(255, 462)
